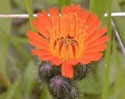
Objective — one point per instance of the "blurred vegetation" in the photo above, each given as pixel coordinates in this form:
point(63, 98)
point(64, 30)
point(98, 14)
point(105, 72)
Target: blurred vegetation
point(18, 68)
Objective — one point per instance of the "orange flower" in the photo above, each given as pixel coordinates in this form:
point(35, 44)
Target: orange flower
point(65, 40)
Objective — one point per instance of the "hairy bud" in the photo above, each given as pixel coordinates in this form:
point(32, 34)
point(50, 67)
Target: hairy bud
point(59, 87)
point(80, 71)
point(46, 71)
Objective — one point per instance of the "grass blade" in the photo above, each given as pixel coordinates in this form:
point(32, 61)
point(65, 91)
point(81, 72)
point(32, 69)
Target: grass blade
point(64, 2)
point(29, 78)
point(5, 29)
point(100, 6)
point(14, 92)
point(107, 61)
point(119, 73)
point(29, 10)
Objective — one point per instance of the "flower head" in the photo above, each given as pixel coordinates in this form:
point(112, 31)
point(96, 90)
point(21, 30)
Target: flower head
point(65, 40)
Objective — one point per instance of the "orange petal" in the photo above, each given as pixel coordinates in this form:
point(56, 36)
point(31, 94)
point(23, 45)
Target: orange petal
point(56, 31)
point(67, 21)
point(37, 40)
point(45, 19)
point(56, 61)
point(54, 12)
point(97, 42)
point(84, 61)
point(38, 44)
point(67, 70)
point(93, 23)
point(89, 57)
point(91, 19)
point(79, 12)
point(46, 57)
point(72, 62)
point(40, 52)
point(39, 26)
point(96, 39)
point(83, 15)
point(95, 49)
point(93, 27)
point(31, 34)
point(96, 34)
point(71, 9)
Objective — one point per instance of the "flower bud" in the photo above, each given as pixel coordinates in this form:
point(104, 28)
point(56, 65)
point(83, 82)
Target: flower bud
point(80, 71)
point(59, 87)
point(46, 71)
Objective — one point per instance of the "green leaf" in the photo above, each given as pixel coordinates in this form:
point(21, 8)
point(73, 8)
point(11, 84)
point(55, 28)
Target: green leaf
point(14, 92)
point(100, 6)
point(29, 78)
point(112, 74)
point(64, 3)
point(50, 2)
point(78, 1)
point(5, 24)
point(89, 85)
point(5, 29)
point(45, 93)
point(119, 82)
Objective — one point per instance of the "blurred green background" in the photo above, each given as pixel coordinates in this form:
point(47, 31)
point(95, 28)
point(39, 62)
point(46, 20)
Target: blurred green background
point(18, 68)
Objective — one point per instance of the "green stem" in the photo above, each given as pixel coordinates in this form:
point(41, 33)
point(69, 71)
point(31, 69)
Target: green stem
point(30, 11)
point(107, 61)
point(64, 3)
